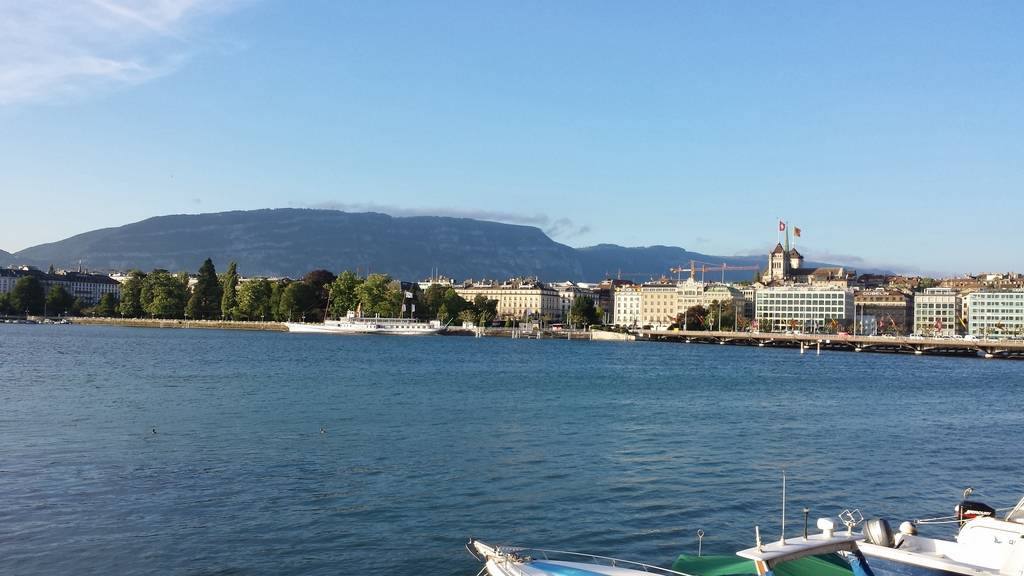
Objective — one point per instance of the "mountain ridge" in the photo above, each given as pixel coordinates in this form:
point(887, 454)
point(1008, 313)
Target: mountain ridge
point(293, 241)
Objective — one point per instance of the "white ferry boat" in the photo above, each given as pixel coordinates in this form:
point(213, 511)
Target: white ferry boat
point(354, 324)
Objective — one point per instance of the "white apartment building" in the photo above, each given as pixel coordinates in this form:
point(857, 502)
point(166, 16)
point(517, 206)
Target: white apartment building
point(936, 312)
point(627, 306)
point(804, 309)
point(996, 314)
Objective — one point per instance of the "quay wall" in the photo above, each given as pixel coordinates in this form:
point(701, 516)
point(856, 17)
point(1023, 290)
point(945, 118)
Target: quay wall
point(207, 324)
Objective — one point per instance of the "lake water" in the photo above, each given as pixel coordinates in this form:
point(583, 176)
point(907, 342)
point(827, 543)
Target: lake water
point(623, 449)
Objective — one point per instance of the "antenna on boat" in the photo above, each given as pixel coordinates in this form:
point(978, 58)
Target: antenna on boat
point(782, 535)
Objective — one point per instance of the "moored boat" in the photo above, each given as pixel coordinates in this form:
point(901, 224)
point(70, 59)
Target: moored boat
point(516, 561)
point(355, 324)
point(984, 545)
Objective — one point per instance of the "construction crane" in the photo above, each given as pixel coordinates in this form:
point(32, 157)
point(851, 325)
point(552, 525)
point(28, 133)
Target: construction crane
point(705, 266)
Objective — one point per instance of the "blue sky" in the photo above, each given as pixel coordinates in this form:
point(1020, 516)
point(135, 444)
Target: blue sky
point(891, 133)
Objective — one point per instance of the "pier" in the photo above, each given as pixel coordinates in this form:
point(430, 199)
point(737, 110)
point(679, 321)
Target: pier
point(849, 343)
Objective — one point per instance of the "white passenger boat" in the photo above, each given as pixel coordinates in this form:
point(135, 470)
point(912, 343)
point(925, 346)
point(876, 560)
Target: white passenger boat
point(353, 324)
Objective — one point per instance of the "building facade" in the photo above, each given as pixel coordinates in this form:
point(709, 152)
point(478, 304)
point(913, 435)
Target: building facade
point(803, 309)
point(937, 312)
point(518, 298)
point(659, 305)
point(893, 310)
point(567, 293)
point(88, 288)
point(627, 306)
point(996, 314)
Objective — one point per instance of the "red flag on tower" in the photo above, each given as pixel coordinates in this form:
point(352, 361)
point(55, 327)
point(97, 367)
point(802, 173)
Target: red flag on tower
point(782, 226)
point(796, 232)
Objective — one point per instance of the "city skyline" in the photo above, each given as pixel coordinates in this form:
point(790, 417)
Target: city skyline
point(887, 133)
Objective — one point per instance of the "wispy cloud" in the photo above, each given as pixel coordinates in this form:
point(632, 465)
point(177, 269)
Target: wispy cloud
point(56, 49)
point(563, 228)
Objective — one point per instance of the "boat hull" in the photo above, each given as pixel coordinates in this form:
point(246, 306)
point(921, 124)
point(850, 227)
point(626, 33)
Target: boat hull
point(887, 567)
point(503, 561)
point(362, 328)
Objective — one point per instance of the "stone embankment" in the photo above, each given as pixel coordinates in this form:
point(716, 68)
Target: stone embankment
point(156, 323)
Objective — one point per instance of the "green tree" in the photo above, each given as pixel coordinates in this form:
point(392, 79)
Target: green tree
point(297, 301)
point(107, 306)
point(486, 310)
point(27, 295)
point(276, 290)
point(721, 315)
point(454, 305)
point(5, 303)
point(429, 302)
point(254, 299)
point(59, 300)
point(582, 312)
point(695, 318)
point(344, 294)
point(468, 315)
point(163, 295)
point(379, 295)
point(131, 295)
point(229, 299)
point(206, 295)
point(321, 280)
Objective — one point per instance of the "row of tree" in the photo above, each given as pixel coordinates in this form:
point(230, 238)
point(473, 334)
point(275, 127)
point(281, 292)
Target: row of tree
point(320, 293)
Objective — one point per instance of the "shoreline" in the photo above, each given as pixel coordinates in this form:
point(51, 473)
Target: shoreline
point(814, 344)
point(183, 324)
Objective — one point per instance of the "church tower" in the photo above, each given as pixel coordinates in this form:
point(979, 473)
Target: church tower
point(778, 265)
point(796, 260)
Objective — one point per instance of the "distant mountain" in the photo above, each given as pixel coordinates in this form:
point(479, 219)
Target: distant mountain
point(294, 241)
point(6, 258)
point(291, 242)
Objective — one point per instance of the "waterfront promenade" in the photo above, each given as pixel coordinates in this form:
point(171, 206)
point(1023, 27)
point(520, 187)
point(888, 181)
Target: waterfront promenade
point(818, 342)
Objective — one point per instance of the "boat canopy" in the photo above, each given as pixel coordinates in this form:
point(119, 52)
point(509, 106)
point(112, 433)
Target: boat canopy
point(731, 565)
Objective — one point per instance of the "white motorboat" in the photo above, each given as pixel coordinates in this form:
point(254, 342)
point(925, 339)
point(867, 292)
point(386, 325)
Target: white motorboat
point(985, 545)
point(353, 324)
point(515, 561)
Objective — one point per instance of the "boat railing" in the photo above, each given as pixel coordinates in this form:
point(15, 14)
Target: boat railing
point(1017, 513)
point(547, 554)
